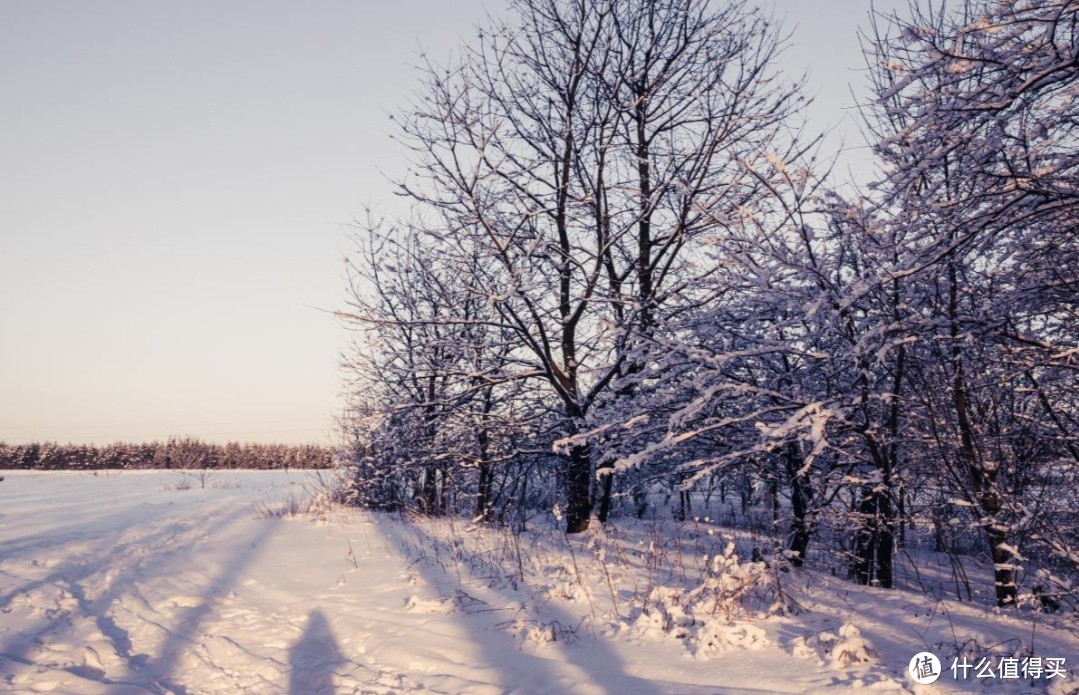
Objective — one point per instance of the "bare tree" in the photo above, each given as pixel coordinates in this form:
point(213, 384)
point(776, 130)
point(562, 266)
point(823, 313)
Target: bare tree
point(574, 162)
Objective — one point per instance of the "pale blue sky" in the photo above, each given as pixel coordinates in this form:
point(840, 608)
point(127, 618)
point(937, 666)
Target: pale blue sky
point(175, 182)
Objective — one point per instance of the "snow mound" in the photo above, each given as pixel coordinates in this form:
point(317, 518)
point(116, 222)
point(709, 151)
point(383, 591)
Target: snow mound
point(843, 650)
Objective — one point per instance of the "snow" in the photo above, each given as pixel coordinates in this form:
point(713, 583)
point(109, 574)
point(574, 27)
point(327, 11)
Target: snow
point(140, 582)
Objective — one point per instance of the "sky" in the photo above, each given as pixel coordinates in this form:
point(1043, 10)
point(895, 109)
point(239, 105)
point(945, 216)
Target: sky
point(177, 181)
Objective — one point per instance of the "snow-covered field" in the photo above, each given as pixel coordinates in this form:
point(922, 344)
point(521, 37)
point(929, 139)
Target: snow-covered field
point(161, 582)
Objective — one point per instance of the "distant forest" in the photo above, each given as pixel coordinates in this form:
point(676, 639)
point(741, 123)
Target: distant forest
point(185, 453)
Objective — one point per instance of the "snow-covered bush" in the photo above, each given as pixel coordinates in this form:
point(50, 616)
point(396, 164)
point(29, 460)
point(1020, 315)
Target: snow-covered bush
point(841, 649)
point(708, 616)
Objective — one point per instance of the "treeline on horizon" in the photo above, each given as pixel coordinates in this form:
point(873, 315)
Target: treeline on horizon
point(174, 453)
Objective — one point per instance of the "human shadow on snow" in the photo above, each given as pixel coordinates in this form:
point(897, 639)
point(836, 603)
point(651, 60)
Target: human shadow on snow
point(314, 658)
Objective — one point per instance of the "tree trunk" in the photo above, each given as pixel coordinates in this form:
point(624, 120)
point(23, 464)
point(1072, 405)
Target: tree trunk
point(886, 542)
point(578, 489)
point(640, 501)
point(801, 499)
point(875, 544)
point(444, 490)
point(902, 540)
point(605, 473)
point(864, 541)
point(429, 492)
point(483, 494)
point(1003, 574)
point(983, 478)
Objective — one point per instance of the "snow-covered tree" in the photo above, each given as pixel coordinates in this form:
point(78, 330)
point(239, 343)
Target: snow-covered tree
point(574, 163)
point(977, 123)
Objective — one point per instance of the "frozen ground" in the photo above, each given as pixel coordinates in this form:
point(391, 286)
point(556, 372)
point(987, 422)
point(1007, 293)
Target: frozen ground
point(148, 582)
